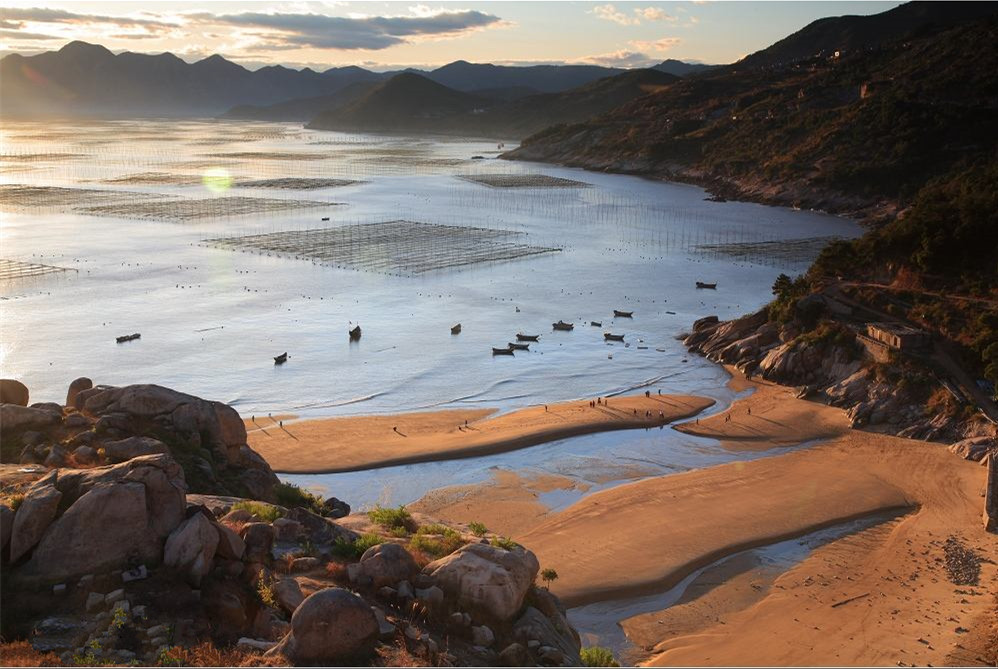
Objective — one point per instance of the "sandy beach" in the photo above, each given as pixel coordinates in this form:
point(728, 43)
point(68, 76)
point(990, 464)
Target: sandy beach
point(878, 596)
point(367, 442)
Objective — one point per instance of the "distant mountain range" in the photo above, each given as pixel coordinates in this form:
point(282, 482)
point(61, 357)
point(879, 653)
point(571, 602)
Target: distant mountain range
point(861, 130)
point(410, 103)
point(84, 79)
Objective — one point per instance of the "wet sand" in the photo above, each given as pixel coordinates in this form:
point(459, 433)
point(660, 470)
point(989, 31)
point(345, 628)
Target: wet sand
point(368, 442)
point(879, 596)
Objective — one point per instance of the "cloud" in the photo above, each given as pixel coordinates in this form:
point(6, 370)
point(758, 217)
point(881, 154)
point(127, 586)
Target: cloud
point(357, 32)
point(663, 44)
point(21, 15)
point(655, 14)
point(611, 13)
point(622, 58)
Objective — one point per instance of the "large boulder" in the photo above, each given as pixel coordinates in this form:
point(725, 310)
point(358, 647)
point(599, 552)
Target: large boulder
point(486, 580)
point(13, 392)
point(133, 447)
point(190, 548)
point(230, 545)
point(114, 513)
point(36, 513)
point(78, 385)
point(318, 529)
point(974, 448)
point(387, 564)
point(15, 418)
point(332, 626)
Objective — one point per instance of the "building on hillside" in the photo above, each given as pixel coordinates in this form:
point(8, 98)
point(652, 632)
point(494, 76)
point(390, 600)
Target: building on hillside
point(901, 337)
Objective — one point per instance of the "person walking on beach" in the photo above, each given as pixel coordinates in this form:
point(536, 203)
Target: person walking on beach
point(647, 393)
point(750, 411)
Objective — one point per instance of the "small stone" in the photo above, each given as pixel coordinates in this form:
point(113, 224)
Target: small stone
point(412, 633)
point(86, 582)
point(158, 641)
point(385, 629)
point(533, 643)
point(482, 636)
point(95, 601)
point(353, 572)
point(59, 589)
point(387, 592)
point(139, 612)
point(305, 563)
point(457, 618)
point(246, 643)
point(122, 605)
point(432, 597)
point(114, 596)
point(157, 630)
point(136, 574)
point(513, 655)
point(551, 654)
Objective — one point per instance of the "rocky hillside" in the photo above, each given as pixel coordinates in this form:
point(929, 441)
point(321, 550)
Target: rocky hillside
point(108, 558)
point(860, 132)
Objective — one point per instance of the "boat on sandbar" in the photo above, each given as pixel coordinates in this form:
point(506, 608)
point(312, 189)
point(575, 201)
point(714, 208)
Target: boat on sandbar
point(281, 359)
point(522, 337)
point(562, 325)
point(622, 314)
point(701, 284)
point(122, 339)
point(456, 329)
point(502, 351)
point(612, 337)
point(355, 334)
point(596, 324)
point(519, 347)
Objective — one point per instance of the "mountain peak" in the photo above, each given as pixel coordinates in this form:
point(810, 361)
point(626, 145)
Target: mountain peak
point(79, 49)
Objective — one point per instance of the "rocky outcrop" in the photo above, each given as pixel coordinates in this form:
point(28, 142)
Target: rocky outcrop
point(332, 626)
point(111, 514)
point(207, 438)
point(488, 581)
point(825, 364)
point(17, 419)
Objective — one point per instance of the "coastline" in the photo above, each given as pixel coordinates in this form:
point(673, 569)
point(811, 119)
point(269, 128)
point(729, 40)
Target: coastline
point(334, 445)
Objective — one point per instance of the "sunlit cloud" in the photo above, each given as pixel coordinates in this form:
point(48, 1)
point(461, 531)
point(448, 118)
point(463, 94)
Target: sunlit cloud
point(30, 37)
point(612, 13)
point(622, 58)
point(663, 44)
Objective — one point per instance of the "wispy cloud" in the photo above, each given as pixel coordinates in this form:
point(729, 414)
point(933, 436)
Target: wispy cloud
point(30, 37)
point(637, 15)
point(22, 15)
point(622, 58)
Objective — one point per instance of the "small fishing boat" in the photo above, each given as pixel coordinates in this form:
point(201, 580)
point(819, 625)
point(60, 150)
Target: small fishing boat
point(622, 314)
point(502, 351)
point(701, 284)
point(355, 334)
point(671, 312)
point(612, 337)
point(456, 329)
point(562, 325)
point(325, 218)
point(281, 359)
point(519, 347)
point(522, 337)
point(122, 339)
point(596, 324)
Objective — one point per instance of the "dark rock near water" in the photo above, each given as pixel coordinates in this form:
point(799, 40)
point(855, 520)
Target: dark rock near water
point(13, 392)
point(332, 626)
point(78, 385)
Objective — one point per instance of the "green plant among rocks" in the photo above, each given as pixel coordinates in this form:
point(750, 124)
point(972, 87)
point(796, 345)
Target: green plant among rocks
point(598, 656)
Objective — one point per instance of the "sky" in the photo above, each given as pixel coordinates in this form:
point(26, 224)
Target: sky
point(389, 35)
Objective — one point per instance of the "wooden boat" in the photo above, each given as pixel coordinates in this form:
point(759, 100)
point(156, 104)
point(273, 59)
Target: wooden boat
point(281, 359)
point(355, 334)
point(622, 314)
point(456, 329)
point(502, 351)
point(596, 324)
point(612, 337)
point(122, 339)
point(701, 284)
point(325, 218)
point(522, 337)
point(671, 312)
point(562, 325)
point(519, 347)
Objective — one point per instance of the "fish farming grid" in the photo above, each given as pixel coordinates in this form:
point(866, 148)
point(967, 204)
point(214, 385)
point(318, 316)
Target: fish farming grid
point(399, 247)
point(522, 181)
point(16, 269)
point(772, 253)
